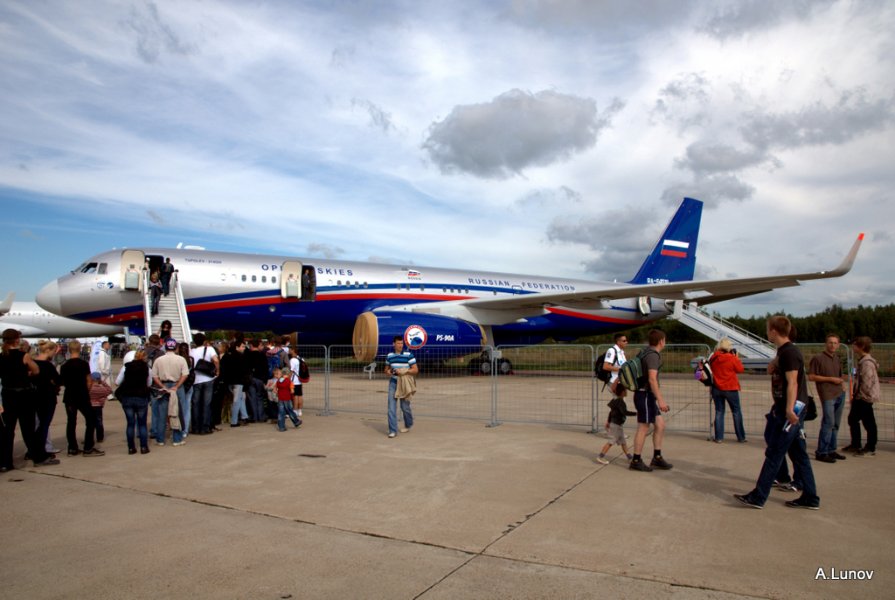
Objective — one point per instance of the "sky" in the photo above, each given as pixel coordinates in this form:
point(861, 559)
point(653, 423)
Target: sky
point(547, 137)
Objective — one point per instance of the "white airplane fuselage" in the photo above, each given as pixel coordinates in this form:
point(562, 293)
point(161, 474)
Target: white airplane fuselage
point(244, 292)
point(35, 322)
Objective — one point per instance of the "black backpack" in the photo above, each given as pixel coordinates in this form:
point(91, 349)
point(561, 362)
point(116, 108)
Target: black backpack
point(706, 367)
point(600, 371)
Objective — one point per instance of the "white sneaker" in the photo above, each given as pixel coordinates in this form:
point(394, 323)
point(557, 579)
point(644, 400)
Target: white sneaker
point(392, 434)
point(404, 430)
point(601, 460)
point(181, 443)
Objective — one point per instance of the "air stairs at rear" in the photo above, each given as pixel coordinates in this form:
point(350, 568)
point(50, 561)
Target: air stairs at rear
point(754, 350)
point(172, 308)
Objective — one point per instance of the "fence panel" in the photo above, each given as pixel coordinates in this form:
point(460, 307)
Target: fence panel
point(547, 384)
point(450, 383)
point(688, 399)
point(314, 392)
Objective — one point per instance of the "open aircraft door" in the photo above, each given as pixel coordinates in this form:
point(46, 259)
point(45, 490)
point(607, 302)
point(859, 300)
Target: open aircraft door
point(290, 279)
point(131, 270)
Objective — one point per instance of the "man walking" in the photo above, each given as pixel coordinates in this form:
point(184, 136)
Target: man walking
point(649, 404)
point(400, 363)
point(825, 370)
point(783, 431)
point(167, 272)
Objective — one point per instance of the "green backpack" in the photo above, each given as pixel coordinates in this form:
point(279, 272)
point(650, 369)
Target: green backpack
point(632, 375)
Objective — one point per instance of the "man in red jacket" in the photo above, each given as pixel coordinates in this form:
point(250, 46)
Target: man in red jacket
point(726, 388)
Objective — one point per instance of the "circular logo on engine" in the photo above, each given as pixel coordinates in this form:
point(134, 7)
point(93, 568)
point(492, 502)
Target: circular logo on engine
point(415, 337)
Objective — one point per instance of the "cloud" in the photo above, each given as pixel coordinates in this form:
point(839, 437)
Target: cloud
point(818, 124)
point(705, 157)
point(378, 117)
point(712, 189)
point(882, 236)
point(514, 131)
point(605, 20)
point(619, 252)
point(30, 235)
point(156, 218)
point(324, 250)
point(562, 197)
point(684, 101)
point(155, 36)
point(741, 18)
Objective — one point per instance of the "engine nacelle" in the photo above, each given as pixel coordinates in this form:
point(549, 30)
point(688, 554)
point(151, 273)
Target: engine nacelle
point(423, 333)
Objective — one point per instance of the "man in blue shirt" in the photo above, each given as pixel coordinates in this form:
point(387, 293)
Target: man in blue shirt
point(398, 363)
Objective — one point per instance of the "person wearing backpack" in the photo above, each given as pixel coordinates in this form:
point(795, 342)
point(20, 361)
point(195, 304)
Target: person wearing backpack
point(725, 366)
point(649, 404)
point(207, 368)
point(615, 358)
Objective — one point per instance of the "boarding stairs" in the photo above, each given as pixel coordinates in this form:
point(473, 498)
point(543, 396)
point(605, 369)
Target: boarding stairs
point(754, 351)
point(171, 308)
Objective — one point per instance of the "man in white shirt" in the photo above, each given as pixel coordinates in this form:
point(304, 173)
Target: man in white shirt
point(615, 357)
point(203, 388)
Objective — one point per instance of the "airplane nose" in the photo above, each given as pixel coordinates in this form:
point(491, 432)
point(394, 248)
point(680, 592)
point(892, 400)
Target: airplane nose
point(49, 298)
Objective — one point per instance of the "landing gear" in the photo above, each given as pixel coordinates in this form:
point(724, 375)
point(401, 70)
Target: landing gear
point(484, 365)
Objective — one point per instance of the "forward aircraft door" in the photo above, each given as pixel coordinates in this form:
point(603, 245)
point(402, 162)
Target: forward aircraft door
point(131, 266)
point(291, 283)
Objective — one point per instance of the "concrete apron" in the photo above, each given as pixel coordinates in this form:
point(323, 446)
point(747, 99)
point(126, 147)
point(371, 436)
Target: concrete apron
point(452, 509)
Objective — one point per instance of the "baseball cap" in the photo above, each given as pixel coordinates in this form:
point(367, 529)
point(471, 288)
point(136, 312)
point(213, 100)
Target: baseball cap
point(170, 344)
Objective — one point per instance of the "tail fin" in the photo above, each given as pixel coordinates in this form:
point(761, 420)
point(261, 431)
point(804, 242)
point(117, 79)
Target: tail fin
point(674, 257)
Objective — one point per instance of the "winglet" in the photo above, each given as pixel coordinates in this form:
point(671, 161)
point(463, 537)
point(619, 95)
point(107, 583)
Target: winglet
point(7, 303)
point(847, 262)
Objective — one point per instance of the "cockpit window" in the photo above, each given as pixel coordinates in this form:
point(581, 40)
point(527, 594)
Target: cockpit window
point(102, 268)
point(89, 268)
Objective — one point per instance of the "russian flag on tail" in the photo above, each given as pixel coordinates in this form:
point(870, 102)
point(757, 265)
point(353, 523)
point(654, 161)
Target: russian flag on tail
point(674, 248)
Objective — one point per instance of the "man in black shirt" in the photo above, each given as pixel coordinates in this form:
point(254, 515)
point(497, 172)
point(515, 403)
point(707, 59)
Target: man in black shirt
point(75, 373)
point(783, 431)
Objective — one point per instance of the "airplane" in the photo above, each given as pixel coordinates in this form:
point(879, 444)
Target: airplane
point(35, 322)
point(366, 304)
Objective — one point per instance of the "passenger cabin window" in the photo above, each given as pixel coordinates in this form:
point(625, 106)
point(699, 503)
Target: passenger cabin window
point(264, 279)
point(254, 278)
point(273, 278)
point(243, 277)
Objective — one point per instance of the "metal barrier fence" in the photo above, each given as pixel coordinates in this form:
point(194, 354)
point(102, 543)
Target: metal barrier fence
point(555, 384)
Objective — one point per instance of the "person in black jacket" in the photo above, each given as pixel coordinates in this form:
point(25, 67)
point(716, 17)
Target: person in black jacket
point(17, 369)
point(236, 375)
point(48, 383)
point(256, 362)
point(618, 414)
point(133, 392)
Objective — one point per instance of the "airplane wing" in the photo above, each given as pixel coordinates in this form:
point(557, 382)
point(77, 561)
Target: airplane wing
point(705, 291)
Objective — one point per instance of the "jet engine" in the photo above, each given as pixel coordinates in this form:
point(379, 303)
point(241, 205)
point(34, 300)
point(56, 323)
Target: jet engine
point(424, 334)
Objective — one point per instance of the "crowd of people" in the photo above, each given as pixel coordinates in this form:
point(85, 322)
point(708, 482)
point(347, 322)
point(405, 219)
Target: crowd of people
point(196, 389)
point(784, 432)
point(167, 389)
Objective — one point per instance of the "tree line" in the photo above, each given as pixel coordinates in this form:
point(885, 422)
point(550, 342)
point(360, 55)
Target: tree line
point(878, 322)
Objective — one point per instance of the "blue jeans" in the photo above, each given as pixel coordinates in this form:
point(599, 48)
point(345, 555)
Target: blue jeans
point(733, 399)
point(201, 410)
point(239, 405)
point(135, 410)
point(256, 394)
point(186, 410)
point(159, 418)
point(829, 427)
point(285, 408)
point(393, 408)
point(780, 444)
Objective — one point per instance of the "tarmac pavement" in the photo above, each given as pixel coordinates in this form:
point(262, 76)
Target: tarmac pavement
point(452, 509)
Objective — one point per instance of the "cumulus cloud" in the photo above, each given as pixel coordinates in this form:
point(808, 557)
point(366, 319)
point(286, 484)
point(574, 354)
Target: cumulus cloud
point(717, 167)
point(324, 250)
point(684, 100)
point(517, 129)
point(817, 124)
point(711, 189)
point(620, 239)
point(741, 18)
point(153, 35)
